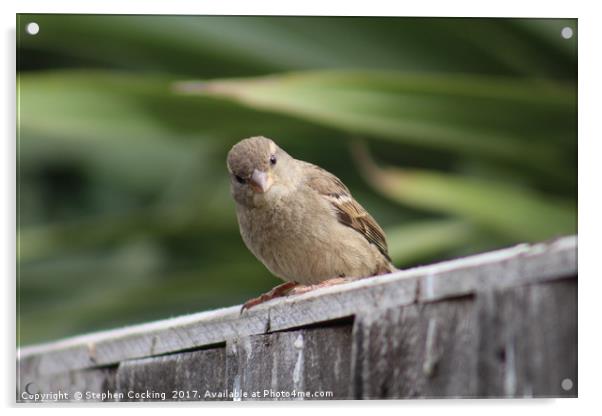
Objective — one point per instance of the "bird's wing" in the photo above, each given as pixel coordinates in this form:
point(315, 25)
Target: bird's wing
point(348, 211)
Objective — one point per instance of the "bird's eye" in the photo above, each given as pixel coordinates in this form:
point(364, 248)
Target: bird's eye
point(239, 179)
point(273, 160)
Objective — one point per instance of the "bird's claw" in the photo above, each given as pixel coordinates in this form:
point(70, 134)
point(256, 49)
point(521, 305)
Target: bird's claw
point(291, 288)
point(278, 291)
point(254, 302)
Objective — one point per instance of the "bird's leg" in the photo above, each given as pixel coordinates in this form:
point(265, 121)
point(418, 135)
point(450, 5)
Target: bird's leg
point(326, 283)
point(278, 291)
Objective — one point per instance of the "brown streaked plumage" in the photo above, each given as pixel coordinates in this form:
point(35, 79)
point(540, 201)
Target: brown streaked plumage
point(348, 210)
point(300, 220)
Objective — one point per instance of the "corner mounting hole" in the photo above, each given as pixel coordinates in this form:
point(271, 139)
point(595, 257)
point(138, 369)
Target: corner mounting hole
point(566, 32)
point(567, 384)
point(32, 28)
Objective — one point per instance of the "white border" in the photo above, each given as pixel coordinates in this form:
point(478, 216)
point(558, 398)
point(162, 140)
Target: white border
point(590, 138)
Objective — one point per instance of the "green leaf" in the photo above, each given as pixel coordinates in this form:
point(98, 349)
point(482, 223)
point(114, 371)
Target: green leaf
point(511, 211)
point(514, 120)
point(418, 240)
point(130, 129)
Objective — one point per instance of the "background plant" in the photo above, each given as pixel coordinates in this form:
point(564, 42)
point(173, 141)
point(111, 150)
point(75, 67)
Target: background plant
point(458, 135)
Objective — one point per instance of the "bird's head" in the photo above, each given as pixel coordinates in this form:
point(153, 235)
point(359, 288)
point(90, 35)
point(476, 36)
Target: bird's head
point(259, 169)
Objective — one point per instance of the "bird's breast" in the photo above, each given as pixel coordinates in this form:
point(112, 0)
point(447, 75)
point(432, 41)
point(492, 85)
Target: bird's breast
point(287, 236)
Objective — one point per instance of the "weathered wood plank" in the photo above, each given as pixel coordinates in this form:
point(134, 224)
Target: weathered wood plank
point(161, 337)
point(185, 376)
point(512, 342)
point(529, 264)
point(305, 364)
point(340, 302)
point(528, 341)
point(421, 350)
point(515, 266)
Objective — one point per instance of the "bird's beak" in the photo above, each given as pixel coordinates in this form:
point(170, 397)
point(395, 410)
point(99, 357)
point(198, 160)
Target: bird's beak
point(261, 181)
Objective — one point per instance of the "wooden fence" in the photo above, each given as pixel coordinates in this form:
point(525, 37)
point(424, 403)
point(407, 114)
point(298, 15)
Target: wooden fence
point(499, 324)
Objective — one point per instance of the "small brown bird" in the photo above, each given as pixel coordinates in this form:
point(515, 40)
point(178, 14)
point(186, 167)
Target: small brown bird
point(301, 221)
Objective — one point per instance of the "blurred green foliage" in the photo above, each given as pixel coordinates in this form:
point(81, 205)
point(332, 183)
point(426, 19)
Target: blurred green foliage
point(458, 135)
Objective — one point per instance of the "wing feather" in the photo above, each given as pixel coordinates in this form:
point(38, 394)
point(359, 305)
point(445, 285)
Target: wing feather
point(348, 211)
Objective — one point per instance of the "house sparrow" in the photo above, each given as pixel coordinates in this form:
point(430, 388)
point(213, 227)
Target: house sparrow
point(301, 221)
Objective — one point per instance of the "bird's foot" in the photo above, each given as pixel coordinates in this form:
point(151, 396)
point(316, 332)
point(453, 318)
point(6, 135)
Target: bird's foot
point(278, 291)
point(299, 289)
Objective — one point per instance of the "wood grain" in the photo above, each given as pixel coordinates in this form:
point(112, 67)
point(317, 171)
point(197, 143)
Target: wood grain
point(517, 342)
